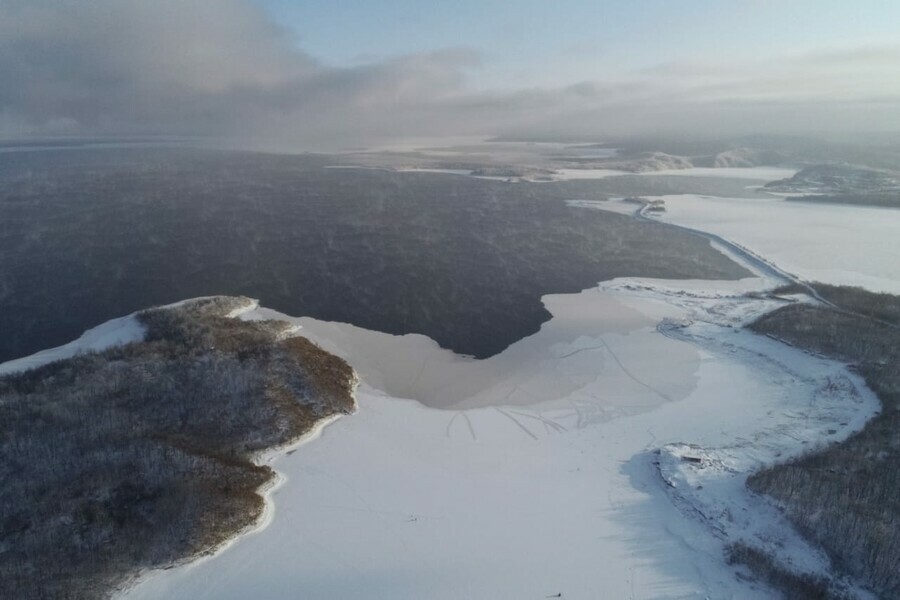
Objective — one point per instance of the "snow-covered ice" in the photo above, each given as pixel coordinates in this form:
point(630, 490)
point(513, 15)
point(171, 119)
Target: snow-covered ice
point(556, 490)
point(752, 173)
point(831, 243)
point(570, 174)
point(759, 174)
point(755, 174)
point(578, 352)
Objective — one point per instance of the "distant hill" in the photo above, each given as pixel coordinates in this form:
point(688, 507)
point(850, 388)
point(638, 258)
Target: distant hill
point(841, 183)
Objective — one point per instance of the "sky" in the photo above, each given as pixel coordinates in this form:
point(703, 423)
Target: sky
point(535, 42)
point(323, 75)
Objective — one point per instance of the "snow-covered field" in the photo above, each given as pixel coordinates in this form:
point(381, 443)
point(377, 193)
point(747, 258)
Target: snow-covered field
point(553, 491)
point(832, 243)
point(576, 354)
point(752, 173)
point(749, 173)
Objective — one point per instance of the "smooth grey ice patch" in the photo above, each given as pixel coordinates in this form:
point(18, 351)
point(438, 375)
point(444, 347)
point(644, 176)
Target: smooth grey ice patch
point(594, 347)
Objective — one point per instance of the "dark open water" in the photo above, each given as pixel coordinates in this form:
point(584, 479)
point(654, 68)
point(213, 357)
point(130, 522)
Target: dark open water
point(87, 235)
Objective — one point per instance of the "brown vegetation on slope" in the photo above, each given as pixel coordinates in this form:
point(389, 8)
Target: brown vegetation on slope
point(142, 455)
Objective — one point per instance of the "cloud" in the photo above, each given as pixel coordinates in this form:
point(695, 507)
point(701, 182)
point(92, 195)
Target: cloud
point(196, 67)
point(832, 75)
point(109, 64)
point(222, 68)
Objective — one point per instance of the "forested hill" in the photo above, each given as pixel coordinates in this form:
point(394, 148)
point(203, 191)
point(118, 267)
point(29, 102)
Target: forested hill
point(142, 455)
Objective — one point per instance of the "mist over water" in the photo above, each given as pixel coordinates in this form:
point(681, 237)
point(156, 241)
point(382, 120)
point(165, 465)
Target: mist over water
point(94, 234)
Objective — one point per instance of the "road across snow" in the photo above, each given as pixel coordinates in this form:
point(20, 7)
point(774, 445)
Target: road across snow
point(831, 243)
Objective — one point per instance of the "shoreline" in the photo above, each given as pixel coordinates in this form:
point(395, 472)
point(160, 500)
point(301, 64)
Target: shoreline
point(725, 291)
point(690, 300)
point(839, 409)
point(195, 480)
point(689, 295)
point(266, 491)
point(115, 332)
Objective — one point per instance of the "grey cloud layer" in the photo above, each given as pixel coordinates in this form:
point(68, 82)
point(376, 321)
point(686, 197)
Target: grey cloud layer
point(222, 68)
